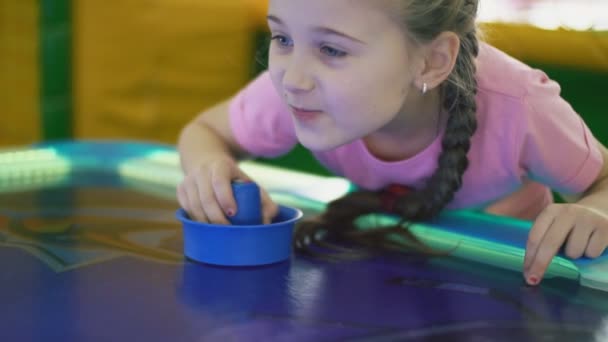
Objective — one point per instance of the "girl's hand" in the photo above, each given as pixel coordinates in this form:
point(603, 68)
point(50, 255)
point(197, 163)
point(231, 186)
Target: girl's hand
point(584, 231)
point(206, 193)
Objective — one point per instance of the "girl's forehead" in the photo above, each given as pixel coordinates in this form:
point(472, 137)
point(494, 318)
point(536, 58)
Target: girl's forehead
point(352, 15)
point(333, 6)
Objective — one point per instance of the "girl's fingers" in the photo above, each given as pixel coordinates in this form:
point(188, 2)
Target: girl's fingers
point(221, 180)
point(554, 238)
point(578, 240)
point(196, 209)
point(182, 198)
point(597, 244)
point(269, 208)
point(210, 203)
point(225, 197)
point(209, 197)
point(538, 231)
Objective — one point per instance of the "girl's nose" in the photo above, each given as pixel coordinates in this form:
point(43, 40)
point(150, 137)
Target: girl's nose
point(297, 80)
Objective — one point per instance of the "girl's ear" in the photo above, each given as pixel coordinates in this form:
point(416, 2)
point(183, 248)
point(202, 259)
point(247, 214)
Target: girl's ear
point(439, 59)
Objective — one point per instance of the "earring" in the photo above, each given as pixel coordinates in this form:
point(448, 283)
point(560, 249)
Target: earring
point(425, 88)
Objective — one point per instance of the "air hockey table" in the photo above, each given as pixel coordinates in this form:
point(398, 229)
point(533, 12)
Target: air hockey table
point(91, 251)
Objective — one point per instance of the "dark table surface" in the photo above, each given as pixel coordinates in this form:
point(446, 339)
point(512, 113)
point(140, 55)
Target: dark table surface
point(89, 257)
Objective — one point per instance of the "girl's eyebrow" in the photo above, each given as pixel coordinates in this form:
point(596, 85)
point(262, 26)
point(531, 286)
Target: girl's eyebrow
point(319, 29)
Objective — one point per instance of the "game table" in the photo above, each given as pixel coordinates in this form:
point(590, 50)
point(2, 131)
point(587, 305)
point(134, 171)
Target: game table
point(91, 251)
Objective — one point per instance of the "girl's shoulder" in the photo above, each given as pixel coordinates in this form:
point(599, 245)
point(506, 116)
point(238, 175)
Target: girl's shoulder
point(499, 74)
point(512, 94)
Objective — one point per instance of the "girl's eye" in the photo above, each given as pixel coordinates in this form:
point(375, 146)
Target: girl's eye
point(282, 40)
point(331, 52)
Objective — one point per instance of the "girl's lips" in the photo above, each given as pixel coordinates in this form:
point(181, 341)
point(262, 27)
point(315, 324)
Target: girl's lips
point(305, 114)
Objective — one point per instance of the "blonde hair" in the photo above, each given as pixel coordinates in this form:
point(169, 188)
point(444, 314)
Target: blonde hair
point(423, 21)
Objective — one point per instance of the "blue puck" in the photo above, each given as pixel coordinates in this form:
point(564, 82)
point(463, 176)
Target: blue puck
point(248, 204)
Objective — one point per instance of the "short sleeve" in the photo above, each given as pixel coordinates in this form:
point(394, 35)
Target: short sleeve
point(556, 146)
point(260, 121)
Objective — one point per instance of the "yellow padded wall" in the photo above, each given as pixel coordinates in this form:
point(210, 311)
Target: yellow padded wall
point(19, 111)
point(576, 49)
point(143, 68)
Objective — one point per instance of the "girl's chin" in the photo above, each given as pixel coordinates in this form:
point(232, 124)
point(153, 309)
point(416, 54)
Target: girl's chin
point(321, 140)
point(319, 145)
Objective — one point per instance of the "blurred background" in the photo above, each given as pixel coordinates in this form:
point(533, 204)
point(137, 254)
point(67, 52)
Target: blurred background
point(141, 69)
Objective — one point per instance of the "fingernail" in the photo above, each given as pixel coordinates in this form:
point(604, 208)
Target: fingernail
point(230, 212)
point(533, 280)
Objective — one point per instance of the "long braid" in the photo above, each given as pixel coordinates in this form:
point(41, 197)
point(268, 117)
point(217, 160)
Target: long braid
point(458, 98)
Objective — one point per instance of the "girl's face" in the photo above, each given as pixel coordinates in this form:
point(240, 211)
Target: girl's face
point(342, 67)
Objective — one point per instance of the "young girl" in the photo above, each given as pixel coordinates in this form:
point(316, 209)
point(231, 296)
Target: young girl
point(388, 92)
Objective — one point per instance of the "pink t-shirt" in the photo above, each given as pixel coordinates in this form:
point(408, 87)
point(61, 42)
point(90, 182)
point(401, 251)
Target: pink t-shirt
point(528, 141)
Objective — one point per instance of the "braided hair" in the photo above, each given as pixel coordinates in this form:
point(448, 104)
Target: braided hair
point(424, 21)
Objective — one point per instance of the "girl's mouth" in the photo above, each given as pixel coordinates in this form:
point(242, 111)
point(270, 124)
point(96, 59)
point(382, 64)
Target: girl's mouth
point(305, 115)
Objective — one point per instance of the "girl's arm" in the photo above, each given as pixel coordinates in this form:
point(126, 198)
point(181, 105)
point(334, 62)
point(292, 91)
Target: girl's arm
point(580, 227)
point(208, 136)
point(596, 195)
point(208, 153)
